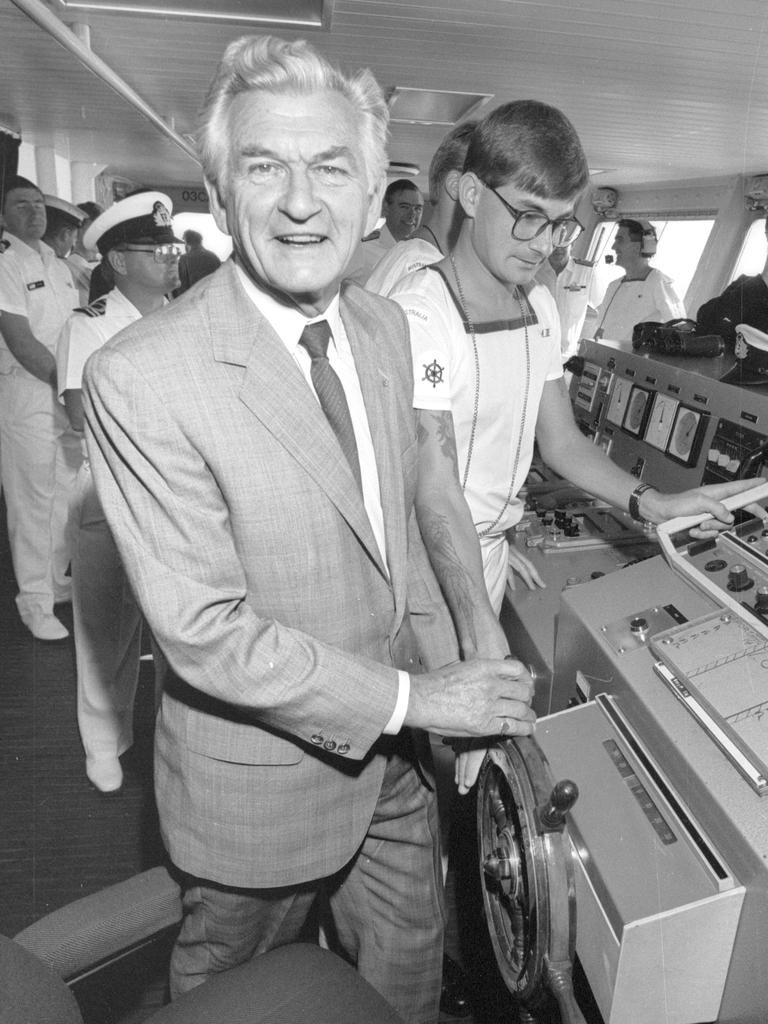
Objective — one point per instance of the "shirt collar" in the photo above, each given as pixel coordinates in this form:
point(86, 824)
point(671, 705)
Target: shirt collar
point(45, 252)
point(287, 321)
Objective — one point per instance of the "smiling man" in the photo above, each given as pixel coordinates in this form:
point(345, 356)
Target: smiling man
point(254, 448)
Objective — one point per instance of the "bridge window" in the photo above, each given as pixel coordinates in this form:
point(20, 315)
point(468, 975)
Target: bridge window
point(681, 243)
point(752, 256)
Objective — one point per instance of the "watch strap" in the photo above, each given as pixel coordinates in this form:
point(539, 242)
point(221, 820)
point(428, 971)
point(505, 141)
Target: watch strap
point(634, 501)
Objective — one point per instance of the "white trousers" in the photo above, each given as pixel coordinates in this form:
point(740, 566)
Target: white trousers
point(495, 552)
point(40, 458)
point(107, 628)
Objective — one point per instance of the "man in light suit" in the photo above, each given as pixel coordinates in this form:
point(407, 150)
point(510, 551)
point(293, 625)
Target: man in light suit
point(278, 561)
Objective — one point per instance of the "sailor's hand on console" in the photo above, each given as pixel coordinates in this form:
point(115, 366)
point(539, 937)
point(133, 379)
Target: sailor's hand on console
point(524, 567)
point(707, 500)
point(473, 698)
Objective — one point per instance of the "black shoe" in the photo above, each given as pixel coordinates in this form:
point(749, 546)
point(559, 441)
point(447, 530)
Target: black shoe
point(454, 1000)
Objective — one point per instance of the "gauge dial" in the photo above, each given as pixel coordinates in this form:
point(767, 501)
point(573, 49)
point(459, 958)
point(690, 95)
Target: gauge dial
point(619, 400)
point(635, 417)
point(684, 434)
point(660, 421)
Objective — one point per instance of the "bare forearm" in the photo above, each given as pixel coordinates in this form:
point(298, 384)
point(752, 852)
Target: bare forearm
point(453, 550)
point(26, 349)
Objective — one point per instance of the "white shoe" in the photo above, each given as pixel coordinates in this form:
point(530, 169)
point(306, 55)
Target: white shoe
point(105, 773)
point(45, 626)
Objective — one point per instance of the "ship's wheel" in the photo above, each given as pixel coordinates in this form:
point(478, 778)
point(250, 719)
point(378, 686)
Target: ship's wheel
point(527, 875)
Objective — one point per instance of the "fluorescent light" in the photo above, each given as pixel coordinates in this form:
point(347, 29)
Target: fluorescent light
point(432, 106)
point(286, 13)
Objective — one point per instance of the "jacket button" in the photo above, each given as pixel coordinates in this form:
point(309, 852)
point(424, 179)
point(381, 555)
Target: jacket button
point(329, 745)
point(343, 748)
point(317, 738)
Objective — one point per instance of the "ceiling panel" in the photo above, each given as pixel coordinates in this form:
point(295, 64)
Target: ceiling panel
point(659, 91)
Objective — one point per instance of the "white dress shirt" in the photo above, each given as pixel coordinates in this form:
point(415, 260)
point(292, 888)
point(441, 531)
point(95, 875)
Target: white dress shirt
point(289, 323)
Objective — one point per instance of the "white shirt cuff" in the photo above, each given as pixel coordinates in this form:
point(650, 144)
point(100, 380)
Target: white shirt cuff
point(395, 724)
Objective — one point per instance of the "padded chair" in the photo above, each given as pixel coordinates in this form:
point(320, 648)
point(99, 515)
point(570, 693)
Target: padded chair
point(294, 984)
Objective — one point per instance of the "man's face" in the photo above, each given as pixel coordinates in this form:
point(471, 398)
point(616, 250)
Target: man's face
point(296, 200)
point(624, 247)
point(143, 270)
point(559, 257)
point(508, 259)
point(403, 213)
point(24, 214)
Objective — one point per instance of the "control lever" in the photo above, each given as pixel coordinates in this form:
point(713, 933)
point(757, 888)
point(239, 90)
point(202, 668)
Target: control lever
point(752, 496)
point(551, 815)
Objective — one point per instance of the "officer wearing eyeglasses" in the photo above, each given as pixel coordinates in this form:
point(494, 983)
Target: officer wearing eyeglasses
point(135, 238)
point(488, 373)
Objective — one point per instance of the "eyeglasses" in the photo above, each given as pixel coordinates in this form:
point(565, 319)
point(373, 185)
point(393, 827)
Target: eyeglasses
point(160, 253)
point(528, 224)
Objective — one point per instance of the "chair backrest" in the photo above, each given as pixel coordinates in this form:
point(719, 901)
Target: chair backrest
point(30, 992)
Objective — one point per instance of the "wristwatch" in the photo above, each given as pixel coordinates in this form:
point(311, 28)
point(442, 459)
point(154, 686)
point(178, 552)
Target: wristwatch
point(634, 501)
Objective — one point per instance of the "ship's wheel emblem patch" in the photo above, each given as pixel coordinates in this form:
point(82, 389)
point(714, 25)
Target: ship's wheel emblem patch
point(433, 372)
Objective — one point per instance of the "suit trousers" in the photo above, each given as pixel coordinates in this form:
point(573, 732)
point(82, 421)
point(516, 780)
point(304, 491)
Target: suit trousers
point(386, 907)
point(107, 625)
point(41, 456)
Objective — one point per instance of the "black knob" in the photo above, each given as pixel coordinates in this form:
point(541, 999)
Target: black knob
point(562, 798)
point(738, 578)
point(761, 600)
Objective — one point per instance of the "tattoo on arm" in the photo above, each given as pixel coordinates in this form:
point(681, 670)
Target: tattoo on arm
point(451, 574)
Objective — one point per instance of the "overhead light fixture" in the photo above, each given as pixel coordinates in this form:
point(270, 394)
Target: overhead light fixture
point(397, 168)
point(302, 14)
point(432, 106)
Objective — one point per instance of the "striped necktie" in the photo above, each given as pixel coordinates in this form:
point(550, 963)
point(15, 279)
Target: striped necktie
point(314, 338)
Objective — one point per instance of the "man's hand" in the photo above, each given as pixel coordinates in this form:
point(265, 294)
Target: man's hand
point(473, 698)
point(697, 501)
point(519, 564)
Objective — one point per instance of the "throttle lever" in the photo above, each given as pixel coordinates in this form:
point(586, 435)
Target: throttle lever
point(551, 815)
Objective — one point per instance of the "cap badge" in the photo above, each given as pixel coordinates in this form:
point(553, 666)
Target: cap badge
point(161, 216)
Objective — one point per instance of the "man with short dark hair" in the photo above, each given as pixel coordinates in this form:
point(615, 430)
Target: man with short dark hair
point(643, 293)
point(197, 262)
point(486, 355)
point(254, 448)
point(40, 452)
point(431, 241)
point(401, 208)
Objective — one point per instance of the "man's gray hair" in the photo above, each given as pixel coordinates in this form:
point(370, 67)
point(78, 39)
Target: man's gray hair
point(274, 65)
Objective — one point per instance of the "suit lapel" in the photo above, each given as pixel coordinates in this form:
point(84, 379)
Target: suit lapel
point(368, 348)
point(275, 391)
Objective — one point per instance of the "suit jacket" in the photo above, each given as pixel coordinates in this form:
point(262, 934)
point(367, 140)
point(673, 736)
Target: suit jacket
point(249, 549)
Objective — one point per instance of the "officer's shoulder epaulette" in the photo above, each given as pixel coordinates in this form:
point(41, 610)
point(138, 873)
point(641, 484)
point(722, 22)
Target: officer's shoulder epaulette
point(585, 263)
point(96, 308)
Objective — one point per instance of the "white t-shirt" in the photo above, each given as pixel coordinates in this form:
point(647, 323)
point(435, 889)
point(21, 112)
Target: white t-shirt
point(446, 378)
point(627, 303)
point(38, 286)
point(402, 259)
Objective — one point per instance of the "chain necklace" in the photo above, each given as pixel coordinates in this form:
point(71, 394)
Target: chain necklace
point(471, 446)
point(426, 227)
